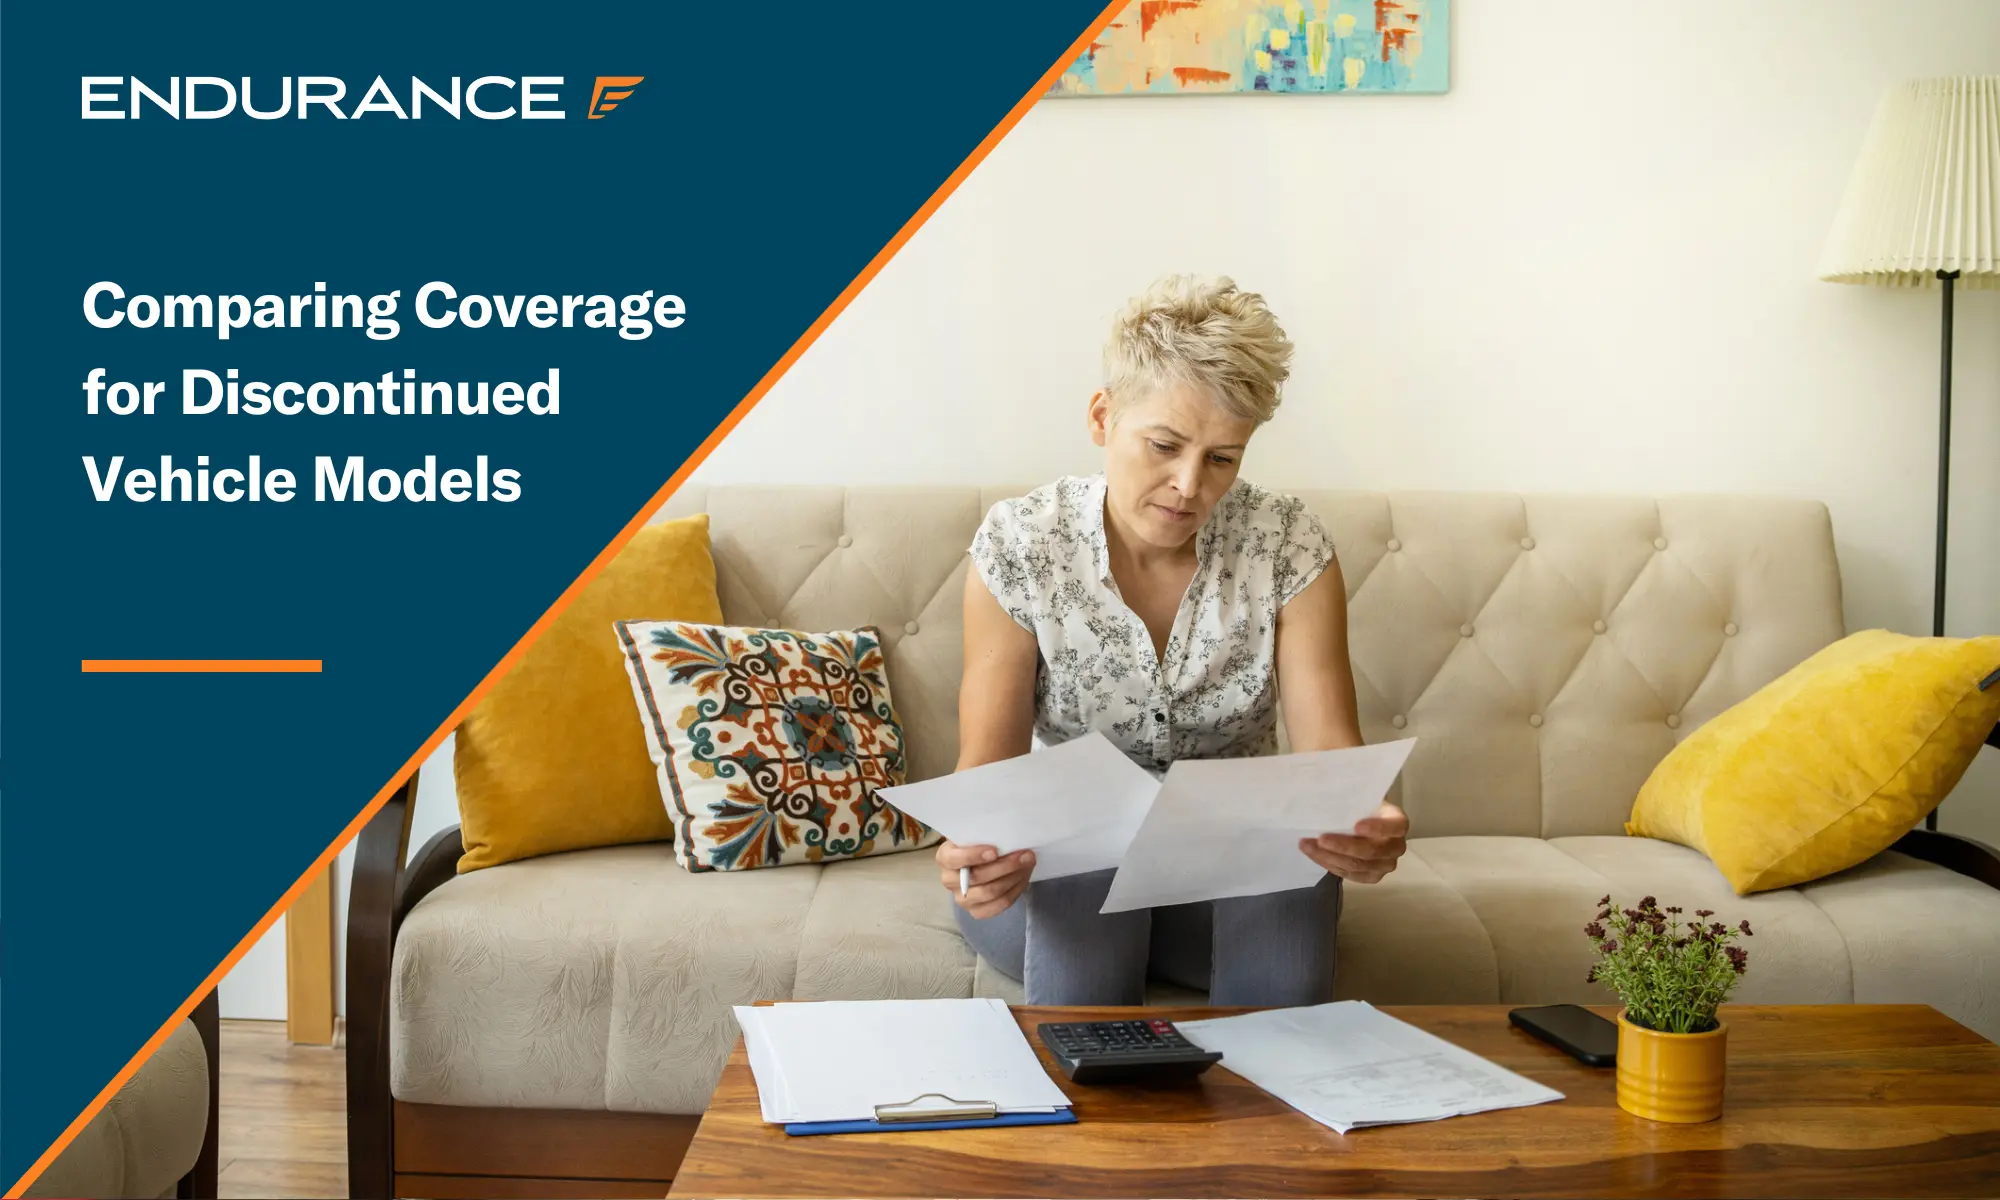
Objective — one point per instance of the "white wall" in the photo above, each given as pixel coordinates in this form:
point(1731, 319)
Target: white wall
point(255, 988)
point(1591, 266)
point(1588, 267)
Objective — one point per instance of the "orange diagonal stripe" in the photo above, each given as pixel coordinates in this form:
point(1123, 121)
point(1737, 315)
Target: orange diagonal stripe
point(97, 666)
point(596, 567)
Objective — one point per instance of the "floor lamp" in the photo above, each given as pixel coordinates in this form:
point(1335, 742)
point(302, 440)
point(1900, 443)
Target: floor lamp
point(1922, 210)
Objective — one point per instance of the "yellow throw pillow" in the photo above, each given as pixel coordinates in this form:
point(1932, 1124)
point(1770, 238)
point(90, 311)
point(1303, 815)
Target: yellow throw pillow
point(1829, 764)
point(552, 758)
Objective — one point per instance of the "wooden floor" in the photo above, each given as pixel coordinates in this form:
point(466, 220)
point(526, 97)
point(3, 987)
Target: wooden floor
point(283, 1115)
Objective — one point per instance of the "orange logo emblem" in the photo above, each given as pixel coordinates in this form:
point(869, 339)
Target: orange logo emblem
point(610, 90)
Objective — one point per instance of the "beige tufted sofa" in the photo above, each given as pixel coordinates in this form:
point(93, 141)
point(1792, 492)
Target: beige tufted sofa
point(1546, 651)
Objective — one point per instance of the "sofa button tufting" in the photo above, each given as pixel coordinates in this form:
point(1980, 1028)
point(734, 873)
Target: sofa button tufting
point(1729, 630)
point(1673, 720)
point(1536, 720)
point(1395, 545)
point(1659, 543)
point(1527, 543)
point(1399, 720)
point(909, 627)
point(1598, 626)
point(1465, 631)
point(843, 541)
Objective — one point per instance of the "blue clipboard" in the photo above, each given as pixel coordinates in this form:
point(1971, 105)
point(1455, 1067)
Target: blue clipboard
point(909, 1116)
point(1061, 1116)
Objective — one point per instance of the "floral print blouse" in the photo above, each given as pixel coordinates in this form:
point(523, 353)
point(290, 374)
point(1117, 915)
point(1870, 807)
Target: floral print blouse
point(1215, 693)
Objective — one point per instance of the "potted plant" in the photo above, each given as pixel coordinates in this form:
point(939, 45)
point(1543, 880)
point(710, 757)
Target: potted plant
point(1671, 976)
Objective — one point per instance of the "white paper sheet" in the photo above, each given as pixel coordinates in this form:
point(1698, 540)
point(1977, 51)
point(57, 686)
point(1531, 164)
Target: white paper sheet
point(836, 1060)
point(773, 1101)
point(1076, 805)
point(1349, 1065)
point(1231, 826)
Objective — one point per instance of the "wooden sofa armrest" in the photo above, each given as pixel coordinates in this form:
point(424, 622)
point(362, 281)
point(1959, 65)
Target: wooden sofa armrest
point(202, 1182)
point(386, 885)
point(1967, 857)
point(371, 934)
point(428, 869)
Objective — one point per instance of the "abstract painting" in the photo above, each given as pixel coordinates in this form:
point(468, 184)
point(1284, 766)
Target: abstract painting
point(1176, 47)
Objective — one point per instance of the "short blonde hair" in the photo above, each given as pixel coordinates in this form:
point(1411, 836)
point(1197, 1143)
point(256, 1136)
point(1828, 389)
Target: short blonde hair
point(1207, 333)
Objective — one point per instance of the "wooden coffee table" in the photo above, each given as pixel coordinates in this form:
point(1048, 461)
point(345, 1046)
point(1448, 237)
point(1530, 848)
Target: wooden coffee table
point(1823, 1100)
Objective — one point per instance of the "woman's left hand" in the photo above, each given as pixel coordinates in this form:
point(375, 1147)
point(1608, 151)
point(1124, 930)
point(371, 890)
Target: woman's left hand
point(1371, 853)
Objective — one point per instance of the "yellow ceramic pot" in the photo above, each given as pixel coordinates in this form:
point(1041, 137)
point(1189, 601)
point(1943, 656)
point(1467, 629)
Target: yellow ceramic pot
point(1671, 1076)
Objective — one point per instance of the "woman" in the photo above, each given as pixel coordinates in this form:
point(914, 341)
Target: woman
point(1168, 605)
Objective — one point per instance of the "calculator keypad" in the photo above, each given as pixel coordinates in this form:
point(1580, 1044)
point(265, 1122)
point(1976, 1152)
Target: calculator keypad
point(1112, 1051)
point(1116, 1037)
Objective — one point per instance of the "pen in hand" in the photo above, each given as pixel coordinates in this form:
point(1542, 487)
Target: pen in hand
point(964, 881)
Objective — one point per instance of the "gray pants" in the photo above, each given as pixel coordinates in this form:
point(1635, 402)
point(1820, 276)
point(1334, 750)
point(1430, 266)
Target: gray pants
point(1276, 949)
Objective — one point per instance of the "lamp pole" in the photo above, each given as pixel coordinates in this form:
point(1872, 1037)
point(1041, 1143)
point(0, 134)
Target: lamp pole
point(1945, 279)
point(1944, 455)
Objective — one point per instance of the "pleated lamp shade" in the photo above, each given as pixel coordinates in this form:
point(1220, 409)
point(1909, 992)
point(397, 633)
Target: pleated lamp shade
point(1925, 195)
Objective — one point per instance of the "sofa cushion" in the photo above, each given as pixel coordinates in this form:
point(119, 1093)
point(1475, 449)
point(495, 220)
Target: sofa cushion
point(603, 979)
point(882, 928)
point(1875, 934)
point(597, 979)
point(1529, 900)
point(1917, 934)
point(149, 1133)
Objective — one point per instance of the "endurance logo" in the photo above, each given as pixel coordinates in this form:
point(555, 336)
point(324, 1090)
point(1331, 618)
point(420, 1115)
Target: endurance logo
point(610, 90)
point(211, 97)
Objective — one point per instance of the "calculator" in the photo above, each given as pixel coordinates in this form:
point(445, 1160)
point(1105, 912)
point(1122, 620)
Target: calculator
point(1124, 1051)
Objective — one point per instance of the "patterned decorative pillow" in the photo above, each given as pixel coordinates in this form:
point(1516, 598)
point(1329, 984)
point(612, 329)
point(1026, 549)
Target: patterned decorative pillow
point(770, 744)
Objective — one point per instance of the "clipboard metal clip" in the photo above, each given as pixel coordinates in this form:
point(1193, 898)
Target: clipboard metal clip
point(949, 1110)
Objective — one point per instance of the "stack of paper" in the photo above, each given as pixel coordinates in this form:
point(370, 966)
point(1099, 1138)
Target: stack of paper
point(1348, 1065)
point(840, 1061)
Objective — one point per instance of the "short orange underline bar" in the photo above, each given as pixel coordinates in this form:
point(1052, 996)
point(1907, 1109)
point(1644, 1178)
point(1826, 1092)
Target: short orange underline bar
point(96, 666)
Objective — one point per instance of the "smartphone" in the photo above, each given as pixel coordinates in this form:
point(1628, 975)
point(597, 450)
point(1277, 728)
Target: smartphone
point(1576, 1031)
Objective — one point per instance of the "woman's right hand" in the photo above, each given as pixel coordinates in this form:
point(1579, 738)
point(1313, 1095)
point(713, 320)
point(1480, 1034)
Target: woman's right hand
point(997, 880)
